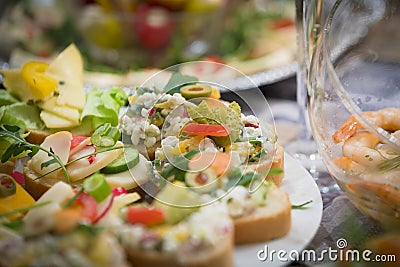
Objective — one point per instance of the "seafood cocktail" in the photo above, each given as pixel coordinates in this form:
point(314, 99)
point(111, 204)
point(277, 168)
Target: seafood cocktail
point(355, 104)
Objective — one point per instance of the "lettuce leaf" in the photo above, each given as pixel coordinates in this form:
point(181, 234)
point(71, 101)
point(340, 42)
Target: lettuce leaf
point(6, 98)
point(22, 115)
point(103, 106)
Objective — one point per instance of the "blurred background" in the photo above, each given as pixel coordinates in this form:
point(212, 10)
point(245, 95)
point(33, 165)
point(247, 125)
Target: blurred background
point(121, 35)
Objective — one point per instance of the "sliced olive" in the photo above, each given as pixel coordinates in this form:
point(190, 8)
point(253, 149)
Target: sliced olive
point(7, 185)
point(195, 90)
point(202, 182)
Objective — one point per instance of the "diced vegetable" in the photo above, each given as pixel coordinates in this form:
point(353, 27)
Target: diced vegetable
point(144, 215)
point(97, 187)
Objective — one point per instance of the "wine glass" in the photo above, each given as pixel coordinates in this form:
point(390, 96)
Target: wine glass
point(354, 103)
point(310, 15)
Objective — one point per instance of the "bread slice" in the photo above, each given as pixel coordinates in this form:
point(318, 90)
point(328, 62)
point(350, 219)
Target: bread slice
point(273, 220)
point(278, 163)
point(219, 256)
point(36, 136)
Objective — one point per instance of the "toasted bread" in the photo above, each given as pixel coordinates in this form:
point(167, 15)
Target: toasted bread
point(36, 136)
point(273, 220)
point(277, 163)
point(218, 256)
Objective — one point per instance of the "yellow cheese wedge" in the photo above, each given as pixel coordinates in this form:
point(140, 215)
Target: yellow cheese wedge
point(53, 121)
point(16, 85)
point(67, 69)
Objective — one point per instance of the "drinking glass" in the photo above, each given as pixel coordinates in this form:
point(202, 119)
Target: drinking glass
point(310, 15)
point(354, 103)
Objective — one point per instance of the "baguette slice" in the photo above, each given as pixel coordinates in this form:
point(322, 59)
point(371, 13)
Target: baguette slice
point(273, 220)
point(36, 136)
point(278, 163)
point(218, 256)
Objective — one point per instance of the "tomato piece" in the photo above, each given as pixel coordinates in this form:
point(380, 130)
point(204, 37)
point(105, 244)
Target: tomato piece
point(76, 140)
point(89, 205)
point(144, 215)
point(206, 129)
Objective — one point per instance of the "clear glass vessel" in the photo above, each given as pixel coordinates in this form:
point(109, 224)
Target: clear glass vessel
point(354, 103)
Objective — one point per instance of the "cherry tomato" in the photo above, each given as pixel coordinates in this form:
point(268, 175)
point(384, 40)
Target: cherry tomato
point(153, 26)
point(144, 215)
point(206, 129)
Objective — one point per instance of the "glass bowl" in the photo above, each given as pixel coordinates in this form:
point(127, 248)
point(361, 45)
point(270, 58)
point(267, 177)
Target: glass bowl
point(354, 104)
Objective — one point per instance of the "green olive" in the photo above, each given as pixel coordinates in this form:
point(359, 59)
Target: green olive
point(203, 181)
point(7, 185)
point(195, 90)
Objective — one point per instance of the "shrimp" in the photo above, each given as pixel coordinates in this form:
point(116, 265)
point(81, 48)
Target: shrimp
point(387, 118)
point(361, 148)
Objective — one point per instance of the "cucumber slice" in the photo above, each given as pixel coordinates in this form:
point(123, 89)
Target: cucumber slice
point(126, 160)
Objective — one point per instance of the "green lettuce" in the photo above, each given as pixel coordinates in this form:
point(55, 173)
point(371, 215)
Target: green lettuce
point(22, 115)
point(103, 106)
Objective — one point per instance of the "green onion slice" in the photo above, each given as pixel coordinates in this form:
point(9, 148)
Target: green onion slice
point(105, 136)
point(97, 187)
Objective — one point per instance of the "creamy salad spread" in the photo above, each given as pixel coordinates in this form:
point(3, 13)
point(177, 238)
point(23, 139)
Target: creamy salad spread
point(203, 229)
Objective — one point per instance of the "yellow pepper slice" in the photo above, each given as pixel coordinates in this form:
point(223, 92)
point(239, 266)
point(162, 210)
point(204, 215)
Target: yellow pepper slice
point(42, 85)
point(19, 199)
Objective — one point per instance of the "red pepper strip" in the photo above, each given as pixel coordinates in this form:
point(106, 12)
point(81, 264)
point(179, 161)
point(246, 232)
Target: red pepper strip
point(104, 212)
point(206, 129)
point(144, 215)
point(249, 124)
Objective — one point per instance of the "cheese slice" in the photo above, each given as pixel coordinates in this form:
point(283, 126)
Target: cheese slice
point(67, 68)
point(68, 113)
point(14, 83)
point(52, 120)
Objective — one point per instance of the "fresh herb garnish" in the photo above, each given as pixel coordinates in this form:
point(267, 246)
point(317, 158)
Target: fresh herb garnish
point(82, 157)
point(301, 206)
point(389, 164)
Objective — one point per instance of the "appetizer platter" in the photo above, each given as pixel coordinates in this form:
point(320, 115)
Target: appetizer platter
point(182, 178)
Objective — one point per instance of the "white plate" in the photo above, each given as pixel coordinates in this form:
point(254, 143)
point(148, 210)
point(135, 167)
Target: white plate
point(301, 187)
